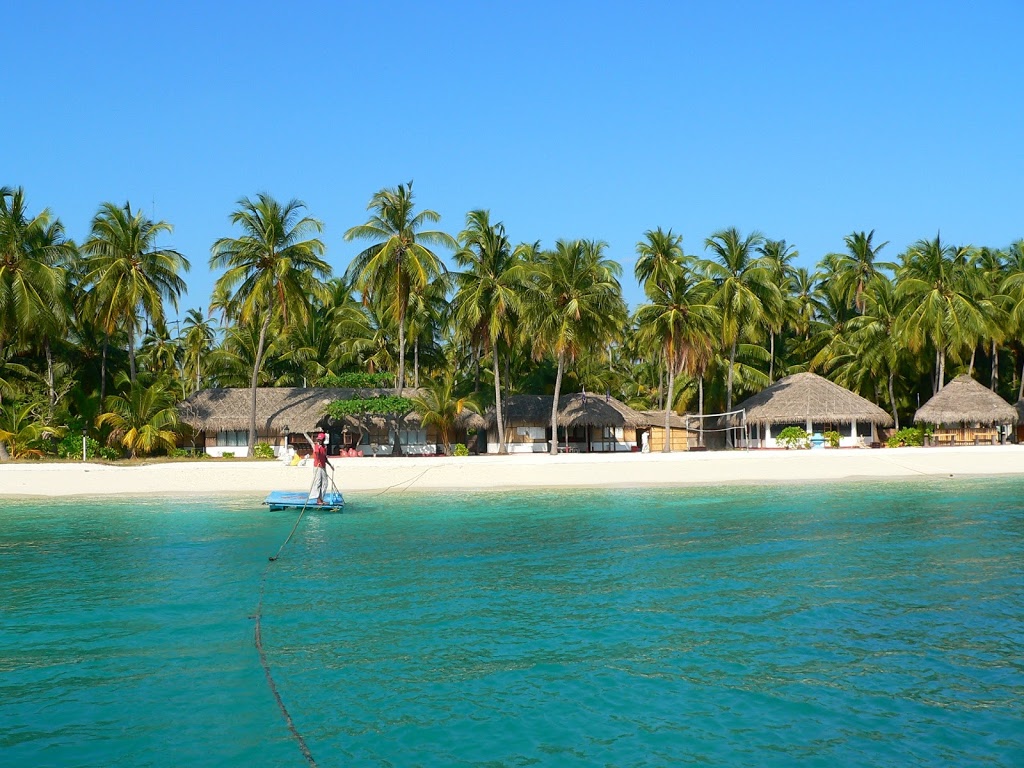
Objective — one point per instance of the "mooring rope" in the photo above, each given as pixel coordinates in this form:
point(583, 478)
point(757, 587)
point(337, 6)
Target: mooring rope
point(258, 616)
point(406, 483)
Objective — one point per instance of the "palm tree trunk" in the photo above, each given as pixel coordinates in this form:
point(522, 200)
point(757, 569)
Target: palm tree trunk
point(103, 368)
point(400, 381)
point(732, 364)
point(892, 400)
point(771, 359)
point(995, 365)
point(255, 378)
point(700, 410)
point(131, 349)
point(502, 450)
point(554, 405)
point(942, 369)
point(667, 447)
point(661, 387)
point(728, 391)
point(416, 364)
point(4, 455)
point(1020, 392)
point(476, 367)
point(970, 370)
point(50, 382)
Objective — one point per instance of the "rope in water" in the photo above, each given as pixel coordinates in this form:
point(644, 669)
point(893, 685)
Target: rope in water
point(258, 616)
point(406, 483)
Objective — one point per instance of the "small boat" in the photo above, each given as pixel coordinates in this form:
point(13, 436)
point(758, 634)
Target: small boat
point(278, 500)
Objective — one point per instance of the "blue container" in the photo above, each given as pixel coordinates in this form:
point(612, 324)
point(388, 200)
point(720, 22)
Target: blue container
point(817, 440)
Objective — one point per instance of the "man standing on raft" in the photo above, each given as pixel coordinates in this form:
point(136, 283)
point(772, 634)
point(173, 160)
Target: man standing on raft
point(320, 464)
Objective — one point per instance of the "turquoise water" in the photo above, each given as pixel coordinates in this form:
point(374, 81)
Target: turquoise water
point(845, 625)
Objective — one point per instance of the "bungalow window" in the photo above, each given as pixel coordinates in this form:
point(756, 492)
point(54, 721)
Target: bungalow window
point(611, 433)
point(577, 435)
point(413, 436)
point(533, 433)
point(233, 437)
point(376, 436)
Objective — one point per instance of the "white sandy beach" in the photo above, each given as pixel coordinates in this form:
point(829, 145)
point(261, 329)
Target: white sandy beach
point(356, 475)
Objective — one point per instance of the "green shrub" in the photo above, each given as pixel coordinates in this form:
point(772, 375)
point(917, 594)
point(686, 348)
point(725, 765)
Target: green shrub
point(911, 436)
point(228, 455)
point(70, 447)
point(263, 451)
point(461, 449)
point(794, 437)
point(187, 453)
point(833, 438)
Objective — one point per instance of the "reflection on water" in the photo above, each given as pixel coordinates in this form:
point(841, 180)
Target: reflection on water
point(857, 624)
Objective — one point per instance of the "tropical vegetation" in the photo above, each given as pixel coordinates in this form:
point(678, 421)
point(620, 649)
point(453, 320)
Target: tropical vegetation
point(93, 343)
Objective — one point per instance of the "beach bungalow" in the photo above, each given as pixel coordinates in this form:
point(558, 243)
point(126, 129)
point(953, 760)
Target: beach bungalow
point(1019, 407)
point(289, 416)
point(965, 412)
point(586, 424)
point(683, 434)
point(811, 402)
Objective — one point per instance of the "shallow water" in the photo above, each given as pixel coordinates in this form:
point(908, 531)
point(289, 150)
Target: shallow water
point(864, 624)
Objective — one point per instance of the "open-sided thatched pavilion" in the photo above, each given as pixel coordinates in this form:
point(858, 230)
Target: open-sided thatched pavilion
point(221, 417)
point(965, 412)
point(814, 403)
point(586, 423)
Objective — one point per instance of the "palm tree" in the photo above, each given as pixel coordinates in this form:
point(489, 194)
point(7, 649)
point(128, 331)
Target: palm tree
point(142, 419)
point(660, 257)
point(809, 298)
point(197, 338)
point(1012, 289)
point(488, 294)
point(573, 304)
point(398, 262)
point(680, 317)
point(129, 272)
point(440, 407)
point(34, 259)
point(746, 295)
point(273, 271)
point(778, 256)
point(940, 308)
point(878, 346)
point(858, 267)
point(22, 431)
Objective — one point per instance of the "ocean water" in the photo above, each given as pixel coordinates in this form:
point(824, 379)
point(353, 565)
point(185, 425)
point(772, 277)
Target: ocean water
point(854, 625)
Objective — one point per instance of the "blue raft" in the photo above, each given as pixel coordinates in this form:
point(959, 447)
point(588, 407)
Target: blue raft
point(278, 500)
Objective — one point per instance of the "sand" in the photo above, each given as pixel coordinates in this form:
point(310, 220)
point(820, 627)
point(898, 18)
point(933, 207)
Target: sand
point(355, 475)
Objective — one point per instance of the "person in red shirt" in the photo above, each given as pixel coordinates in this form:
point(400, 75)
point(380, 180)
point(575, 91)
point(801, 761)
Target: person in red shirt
point(320, 464)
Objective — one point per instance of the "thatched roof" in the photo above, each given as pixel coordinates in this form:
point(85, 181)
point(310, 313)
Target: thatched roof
point(965, 401)
point(575, 410)
point(803, 396)
point(301, 409)
point(675, 421)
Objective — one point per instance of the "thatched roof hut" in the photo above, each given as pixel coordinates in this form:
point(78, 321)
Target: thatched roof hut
point(574, 410)
point(805, 397)
point(301, 409)
point(965, 401)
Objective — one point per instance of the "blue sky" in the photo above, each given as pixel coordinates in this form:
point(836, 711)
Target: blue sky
point(805, 121)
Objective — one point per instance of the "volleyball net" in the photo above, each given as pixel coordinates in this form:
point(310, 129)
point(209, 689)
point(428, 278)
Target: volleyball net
point(733, 424)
